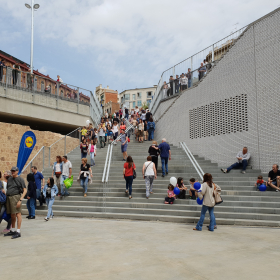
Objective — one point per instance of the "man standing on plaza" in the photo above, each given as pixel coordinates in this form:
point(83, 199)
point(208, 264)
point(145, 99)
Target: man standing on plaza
point(66, 173)
point(165, 154)
point(16, 190)
point(38, 180)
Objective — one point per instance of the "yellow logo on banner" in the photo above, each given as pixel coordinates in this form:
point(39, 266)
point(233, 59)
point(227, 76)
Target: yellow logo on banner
point(28, 142)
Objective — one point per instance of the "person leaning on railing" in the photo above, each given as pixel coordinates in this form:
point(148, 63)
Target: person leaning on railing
point(2, 65)
point(189, 76)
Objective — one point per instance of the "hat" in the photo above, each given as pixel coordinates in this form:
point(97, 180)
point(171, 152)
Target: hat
point(14, 168)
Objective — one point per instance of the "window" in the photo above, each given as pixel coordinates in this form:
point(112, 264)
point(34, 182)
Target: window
point(149, 101)
point(42, 86)
point(61, 93)
point(139, 96)
point(127, 96)
point(134, 103)
point(149, 94)
point(139, 103)
point(133, 97)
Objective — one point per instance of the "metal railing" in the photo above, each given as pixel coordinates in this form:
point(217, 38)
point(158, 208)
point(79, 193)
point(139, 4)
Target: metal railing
point(192, 159)
point(129, 126)
point(47, 155)
point(37, 88)
point(105, 165)
point(211, 54)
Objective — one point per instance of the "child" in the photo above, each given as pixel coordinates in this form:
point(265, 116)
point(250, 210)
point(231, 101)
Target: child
point(259, 182)
point(170, 195)
point(182, 188)
point(84, 132)
point(192, 192)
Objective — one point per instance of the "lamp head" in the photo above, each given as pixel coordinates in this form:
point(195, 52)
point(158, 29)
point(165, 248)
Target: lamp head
point(28, 6)
point(36, 6)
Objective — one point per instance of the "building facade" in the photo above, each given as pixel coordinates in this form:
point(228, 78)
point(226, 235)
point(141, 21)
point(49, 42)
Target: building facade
point(105, 95)
point(137, 97)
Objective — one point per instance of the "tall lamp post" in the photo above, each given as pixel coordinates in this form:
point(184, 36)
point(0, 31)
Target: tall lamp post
point(32, 7)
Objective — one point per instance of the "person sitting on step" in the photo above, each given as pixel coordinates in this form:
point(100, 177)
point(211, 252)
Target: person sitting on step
point(170, 195)
point(182, 188)
point(243, 158)
point(274, 178)
point(192, 192)
point(259, 182)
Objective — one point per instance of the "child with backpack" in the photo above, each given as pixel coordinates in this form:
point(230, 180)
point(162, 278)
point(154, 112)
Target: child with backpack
point(170, 195)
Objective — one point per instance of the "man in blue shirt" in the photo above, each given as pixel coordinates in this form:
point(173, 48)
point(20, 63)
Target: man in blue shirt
point(38, 180)
point(165, 154)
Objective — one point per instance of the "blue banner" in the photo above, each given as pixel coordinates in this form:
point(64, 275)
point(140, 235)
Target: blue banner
point(27, 143)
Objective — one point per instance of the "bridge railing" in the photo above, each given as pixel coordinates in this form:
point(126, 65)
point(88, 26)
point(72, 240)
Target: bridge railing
point(44, 91)
point(210, 54)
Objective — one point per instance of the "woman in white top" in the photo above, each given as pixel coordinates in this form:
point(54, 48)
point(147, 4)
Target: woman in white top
point(115, 130)
point(207, 193)
point(149, 174)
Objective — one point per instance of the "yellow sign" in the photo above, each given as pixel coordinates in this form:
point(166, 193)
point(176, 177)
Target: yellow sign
point(28, 142)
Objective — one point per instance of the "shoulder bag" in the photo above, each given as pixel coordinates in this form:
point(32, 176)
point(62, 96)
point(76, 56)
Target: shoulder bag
point(146, 168)
point(134, 172)
point(217, 197)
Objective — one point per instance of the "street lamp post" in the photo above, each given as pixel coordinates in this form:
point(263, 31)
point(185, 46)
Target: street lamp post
point(32, 7)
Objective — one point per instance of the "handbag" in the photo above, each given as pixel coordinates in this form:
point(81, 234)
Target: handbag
point(134, 173)
point(217, 197)
point(57, 174)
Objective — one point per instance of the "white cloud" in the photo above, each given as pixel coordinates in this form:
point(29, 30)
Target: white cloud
point(136, 40)
point(43, 70)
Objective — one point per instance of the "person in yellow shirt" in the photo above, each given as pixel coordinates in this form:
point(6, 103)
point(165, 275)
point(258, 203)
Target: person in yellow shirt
point(84, 132)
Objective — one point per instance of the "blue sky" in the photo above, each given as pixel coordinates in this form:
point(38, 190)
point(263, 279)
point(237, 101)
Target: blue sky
point(121, 43)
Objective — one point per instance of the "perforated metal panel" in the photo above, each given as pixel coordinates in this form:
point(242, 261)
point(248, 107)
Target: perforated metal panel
point(213, 118)
point(226, 116)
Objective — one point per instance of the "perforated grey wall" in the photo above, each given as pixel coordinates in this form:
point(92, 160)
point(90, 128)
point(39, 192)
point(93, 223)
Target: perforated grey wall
point(250, 70)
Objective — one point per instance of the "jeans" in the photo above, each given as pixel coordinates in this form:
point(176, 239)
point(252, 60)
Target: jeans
point(242, 165)
point(57, 182)
point(102, 141)
point(92, 159)
point(2, 210)
point(126, 116)
point(151, 135)
point(38, 194)
point(189, 83)
point(202, 217)
point(149, 184)
point(164, 163)
point(155, 161)
point(115, 135)
point(62, 186)
point(129, 181)
point(84, 183)
point(177, 88)
point(83, 155)
point(50, 202)
point(31, 205)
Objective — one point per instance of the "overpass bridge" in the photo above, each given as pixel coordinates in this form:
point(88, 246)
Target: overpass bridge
point(45, 111)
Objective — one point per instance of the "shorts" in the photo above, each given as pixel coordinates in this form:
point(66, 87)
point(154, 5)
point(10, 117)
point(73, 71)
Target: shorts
point(140, 133)
point(11, 204)
point(124, 148)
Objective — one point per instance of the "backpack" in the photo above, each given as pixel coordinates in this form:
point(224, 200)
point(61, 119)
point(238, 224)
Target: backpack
point(3, 197)
point(151, 126)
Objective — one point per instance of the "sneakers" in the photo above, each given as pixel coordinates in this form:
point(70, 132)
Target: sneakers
point(27, 217)
point(243, 172)
point(130, 197)
point(31, 218)
point(51, 217)
point(5, 230)
point(166, 173)
point(46, 219)
point(10, 233)
point(16, 235)
point(162, 175)
point(277, 190)
point(224, 170)
point(123, 160)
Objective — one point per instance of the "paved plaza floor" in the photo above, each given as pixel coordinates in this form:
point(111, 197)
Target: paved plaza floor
point(70, 248)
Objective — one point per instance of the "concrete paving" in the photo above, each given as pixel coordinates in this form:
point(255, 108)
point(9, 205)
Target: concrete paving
point(71, 248)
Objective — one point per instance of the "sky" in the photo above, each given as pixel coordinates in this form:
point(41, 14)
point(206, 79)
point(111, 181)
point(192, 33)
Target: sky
point(123, 44)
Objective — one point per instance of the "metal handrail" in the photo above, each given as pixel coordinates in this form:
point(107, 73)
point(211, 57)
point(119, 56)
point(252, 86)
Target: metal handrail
point(193, 158)
point(109, 163)
point(32, 159)
point(128, 127)
point(105, 165)
point(190, 158)
point(65, 136)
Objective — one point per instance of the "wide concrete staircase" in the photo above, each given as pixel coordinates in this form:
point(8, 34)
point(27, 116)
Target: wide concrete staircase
point(242, 205)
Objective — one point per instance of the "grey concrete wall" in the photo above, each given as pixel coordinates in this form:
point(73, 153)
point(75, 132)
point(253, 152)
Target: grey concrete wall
point(250, 68)
point(21, 104)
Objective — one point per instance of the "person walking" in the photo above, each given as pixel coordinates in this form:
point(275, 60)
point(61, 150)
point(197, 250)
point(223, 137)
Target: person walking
point(151, 127)
point(3, 208)
point(56, 173)
point(50, 191)
point(149, 174)
point(207, 193)
point(102, 132)
point(92, 152)
point(16, 191)
point(31, 196)
point(115, 130)
point(66, 173)
point(154, 152)
point(140, 131)
point(85, 175)
point(165, 154)
point(124, 143)
point(39, 178)
point(84, 148)
point(128, 169)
